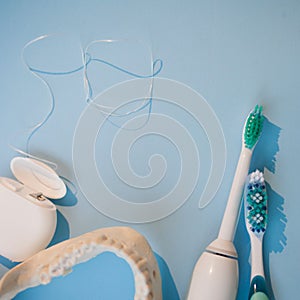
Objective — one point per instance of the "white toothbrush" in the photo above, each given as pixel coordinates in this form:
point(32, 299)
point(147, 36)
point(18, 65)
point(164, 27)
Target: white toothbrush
point(215, 276)
point(255, 202)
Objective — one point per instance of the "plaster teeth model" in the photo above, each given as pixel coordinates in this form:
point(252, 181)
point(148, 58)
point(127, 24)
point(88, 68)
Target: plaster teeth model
point(59, 259)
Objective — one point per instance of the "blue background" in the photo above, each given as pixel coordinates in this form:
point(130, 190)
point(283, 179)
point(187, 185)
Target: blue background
point(235, 53)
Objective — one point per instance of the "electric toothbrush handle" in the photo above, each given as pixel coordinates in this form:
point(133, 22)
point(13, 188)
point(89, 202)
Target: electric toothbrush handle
point(214, 277)
point(228, 226)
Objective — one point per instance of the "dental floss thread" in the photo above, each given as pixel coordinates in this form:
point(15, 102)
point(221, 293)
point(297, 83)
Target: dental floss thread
point(132, 74)
point(87, 60)
point(87, 57)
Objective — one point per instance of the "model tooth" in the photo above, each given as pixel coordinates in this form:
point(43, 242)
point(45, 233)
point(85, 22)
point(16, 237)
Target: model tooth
point(84, 249)
point(136, 258)
point(90, 247)
point(109, 241)
point(99, 239)
point(56, 270)
point(68, 261)
point(146, 274)
point(77, 252)
point(139, 297)
point(104, 237)
point(143, 292)
point(45, 277)
point(119, 245)
point(63, 260)
point(141, 264)
point(128, 251)
point(90, 244)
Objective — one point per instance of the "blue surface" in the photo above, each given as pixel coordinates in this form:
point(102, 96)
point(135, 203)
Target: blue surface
point(234, 53)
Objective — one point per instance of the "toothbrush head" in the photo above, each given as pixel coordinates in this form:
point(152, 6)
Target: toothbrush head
point(253, 127)
point(255, 198)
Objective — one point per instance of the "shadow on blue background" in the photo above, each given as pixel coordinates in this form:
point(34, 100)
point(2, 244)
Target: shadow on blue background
point(7, 263)
point(275, 239)
point(168, 285)
point(62, 231)
point(264, 156)
point(70, 198)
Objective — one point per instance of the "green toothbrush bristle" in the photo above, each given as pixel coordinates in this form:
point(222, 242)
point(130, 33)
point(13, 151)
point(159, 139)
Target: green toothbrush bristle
point(256, 203)
point(253, 127)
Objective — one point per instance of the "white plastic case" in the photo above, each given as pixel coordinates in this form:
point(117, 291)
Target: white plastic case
point(27, 217)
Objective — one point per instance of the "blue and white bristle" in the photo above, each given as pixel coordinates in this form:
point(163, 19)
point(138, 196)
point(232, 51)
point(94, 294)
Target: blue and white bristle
point(255, 198)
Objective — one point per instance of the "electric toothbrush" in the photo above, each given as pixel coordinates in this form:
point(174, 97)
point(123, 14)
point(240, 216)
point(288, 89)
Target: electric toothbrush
point(215, 275)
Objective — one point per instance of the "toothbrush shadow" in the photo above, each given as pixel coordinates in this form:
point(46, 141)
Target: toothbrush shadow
point(275, 239)
point(264, 154)
point(264, 157)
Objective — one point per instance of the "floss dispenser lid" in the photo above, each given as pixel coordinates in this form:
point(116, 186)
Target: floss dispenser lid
point(38, 176)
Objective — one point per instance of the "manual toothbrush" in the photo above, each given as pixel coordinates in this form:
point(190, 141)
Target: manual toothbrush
point(255, 202)
point(215, 275)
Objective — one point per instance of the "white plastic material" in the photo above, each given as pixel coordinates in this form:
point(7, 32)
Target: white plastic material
point(27, 218)
point(228, 226)
point(38, 176)
point(215, 277)
point(222, 247)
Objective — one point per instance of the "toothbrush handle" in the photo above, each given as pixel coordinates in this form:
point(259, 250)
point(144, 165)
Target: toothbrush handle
point(258, 289)
point(257, 264)
point(215, 277)
point(259, 296)
point(228, 226)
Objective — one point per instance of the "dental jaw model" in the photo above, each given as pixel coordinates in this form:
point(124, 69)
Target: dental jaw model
point(27, 217)
point(59, 259)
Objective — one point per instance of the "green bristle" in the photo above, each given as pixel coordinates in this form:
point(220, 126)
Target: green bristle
point(253, 127)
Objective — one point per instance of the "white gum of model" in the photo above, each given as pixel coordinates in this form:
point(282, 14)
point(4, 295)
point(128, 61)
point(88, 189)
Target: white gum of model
point(59, 259)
